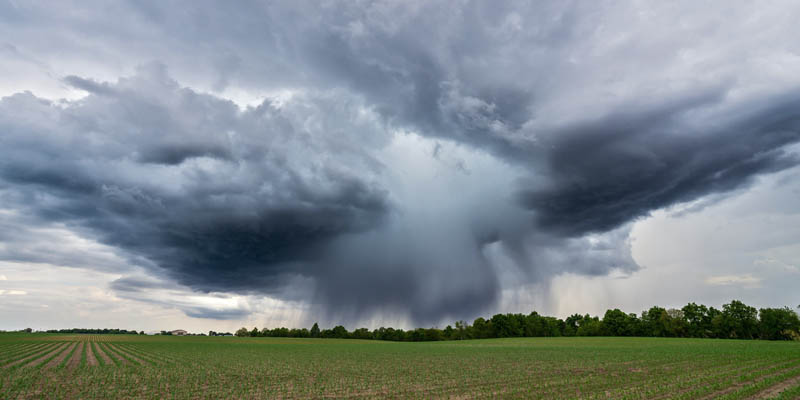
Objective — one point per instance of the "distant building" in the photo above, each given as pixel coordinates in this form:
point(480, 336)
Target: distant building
point(179, 332)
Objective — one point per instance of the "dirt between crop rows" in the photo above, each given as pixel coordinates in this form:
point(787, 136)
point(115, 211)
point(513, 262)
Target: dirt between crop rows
point(106, 359)
point(775, 390)
point(41, 357)
point(76, 357)
point(127, 354)
point(144, 355)
point(90, 358)
point(56, 361)
point(36, 354)
point(111, 353)
point(25, 348)
point(740, 385)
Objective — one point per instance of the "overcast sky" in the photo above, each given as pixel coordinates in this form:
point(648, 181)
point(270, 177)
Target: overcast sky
point(206, 166)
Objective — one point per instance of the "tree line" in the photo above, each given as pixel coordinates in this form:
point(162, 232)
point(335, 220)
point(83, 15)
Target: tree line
point(735, 320)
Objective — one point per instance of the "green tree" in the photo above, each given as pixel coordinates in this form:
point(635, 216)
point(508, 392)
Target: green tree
point(340, 332)
point(698, 321)
point(571, 324)
point(778, 324)
point(481, 328)
point(675, 324)
point(315, 330)
point(462, 328)
point(362, 333)
point(449, 333)
point(616, 323)
point(739, 321)
point(242, 332)
point(655, 322)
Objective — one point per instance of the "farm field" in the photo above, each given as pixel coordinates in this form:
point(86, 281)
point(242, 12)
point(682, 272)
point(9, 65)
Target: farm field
point(122, 366)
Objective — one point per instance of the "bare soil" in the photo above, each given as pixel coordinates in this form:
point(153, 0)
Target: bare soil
point(102, 354)
point(128, 354)
point(55, 362)
point(90, 358)
point(38, 360)
point(775, 390)
point(740, 385)
point(76, 357)
point(117, 357)
point(146, 355)
point(22, 348)
point(38, 353)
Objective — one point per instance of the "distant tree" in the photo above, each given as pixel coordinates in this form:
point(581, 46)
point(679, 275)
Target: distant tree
point(502, 326)
point(589, 326)
point(28, 330)
point(461, 330)
point(481, 328)
point(242, 332)
point(315, 330)
point(778, 324)
point(340, 332)
point(555, 326)
point(739, 321)
point(675, 324)
point(361, 333)
point(433, 334)
point(615, 323)
point(655, 322)
point(698, 321)
point(571, 324)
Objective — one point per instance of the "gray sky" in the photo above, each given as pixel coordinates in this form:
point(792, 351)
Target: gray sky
point(393, 163)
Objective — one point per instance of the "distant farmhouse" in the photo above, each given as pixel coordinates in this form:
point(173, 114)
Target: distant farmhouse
point(179, 332)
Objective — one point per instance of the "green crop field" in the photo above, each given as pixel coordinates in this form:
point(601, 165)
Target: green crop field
point(122, 366)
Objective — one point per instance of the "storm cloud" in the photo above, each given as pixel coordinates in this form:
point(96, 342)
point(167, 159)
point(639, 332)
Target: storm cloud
point(123, 163)
point(368, 158)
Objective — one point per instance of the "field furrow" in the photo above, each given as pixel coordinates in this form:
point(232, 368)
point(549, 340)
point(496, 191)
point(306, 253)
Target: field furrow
point(90, 357)
point(149, 354)
point(115, 358)
point(77, 356)
point(126, 355)
point(61, 357)
point(43, 357)
point(777, 389)
point(101, 355)
point(21, 350)
point(732, 387)
point(24, 357)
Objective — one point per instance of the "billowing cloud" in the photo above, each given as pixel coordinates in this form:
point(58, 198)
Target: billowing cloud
point(378, 157)
point(191, 182)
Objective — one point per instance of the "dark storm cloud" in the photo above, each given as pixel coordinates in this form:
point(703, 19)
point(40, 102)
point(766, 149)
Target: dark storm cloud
point(108, 165)
point(605, 113)
point(607, 172)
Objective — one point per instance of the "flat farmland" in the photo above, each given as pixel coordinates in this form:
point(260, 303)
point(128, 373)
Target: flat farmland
point(122, 366)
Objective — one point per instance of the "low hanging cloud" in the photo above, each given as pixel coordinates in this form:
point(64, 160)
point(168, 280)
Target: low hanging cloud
point(567, 124)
